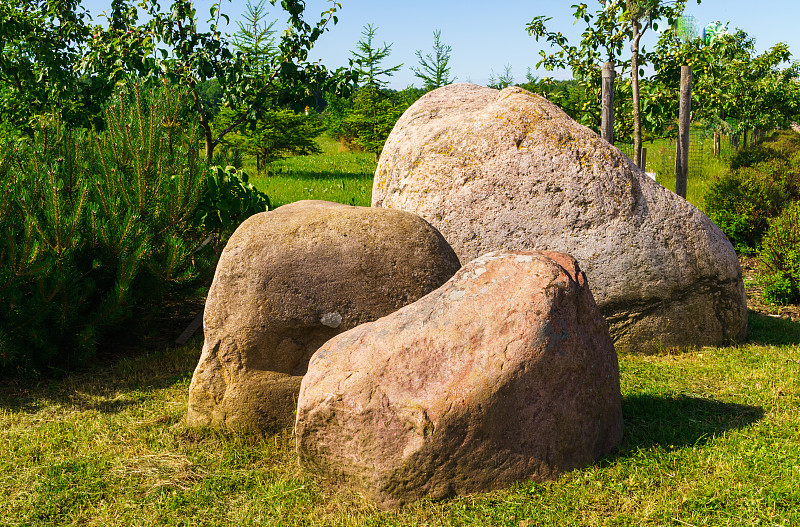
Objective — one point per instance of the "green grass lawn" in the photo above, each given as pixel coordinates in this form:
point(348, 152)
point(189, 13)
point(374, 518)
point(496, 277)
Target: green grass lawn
point(712, 437)
point(333, 175)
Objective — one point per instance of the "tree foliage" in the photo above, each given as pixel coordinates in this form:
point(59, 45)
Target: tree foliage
point(502, 80)
point(54, 58)
point(190, 56)
point(365, 119)
point(734, 88)
point(278, 132)
point(40, 42)
point(607, 29)
point(434, 68)
point(567, 94)
point(275, 131)
point(255, 40)
point(368, 58)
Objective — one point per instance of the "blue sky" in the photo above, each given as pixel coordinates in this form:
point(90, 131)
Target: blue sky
point(487, 35)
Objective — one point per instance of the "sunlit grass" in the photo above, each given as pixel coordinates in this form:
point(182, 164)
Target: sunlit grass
point(712, 437)
point(335, 175)
point(703, 165)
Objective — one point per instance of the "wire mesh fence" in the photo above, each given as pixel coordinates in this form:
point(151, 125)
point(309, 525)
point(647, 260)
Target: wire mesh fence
point(704, 165)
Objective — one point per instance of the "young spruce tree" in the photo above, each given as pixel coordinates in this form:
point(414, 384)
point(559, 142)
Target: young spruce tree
point(434, 68)
point(373, 109)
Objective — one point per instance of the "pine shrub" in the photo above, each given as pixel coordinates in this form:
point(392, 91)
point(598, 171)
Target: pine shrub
point(93, 226)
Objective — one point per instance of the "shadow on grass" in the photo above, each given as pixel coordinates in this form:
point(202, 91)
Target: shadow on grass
point(675, 422)
point(108, 388)
point(764, 329)
point(325, 175)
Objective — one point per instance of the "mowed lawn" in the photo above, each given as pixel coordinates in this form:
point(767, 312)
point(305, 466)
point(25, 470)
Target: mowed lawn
point(712, 437)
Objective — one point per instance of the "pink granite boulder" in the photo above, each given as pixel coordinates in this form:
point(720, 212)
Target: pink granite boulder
point(505, 373)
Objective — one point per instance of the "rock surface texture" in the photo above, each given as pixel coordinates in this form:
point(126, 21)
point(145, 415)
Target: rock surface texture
point(506, 372)
point(289, 280)
point(509, 170)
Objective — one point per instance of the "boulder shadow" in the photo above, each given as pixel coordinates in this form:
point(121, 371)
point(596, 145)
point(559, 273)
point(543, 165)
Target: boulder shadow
point(768, 330)
point(330, 176)
point(676, 422)
point(106, 388)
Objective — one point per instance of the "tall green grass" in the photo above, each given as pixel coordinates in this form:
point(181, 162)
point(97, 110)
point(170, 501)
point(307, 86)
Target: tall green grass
point(334, 175)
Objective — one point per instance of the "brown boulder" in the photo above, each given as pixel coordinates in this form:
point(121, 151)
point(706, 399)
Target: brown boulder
point(506, 372)
point(289, 280)
point(509, 170)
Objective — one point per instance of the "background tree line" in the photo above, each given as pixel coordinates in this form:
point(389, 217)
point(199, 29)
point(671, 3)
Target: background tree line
point(121, 143)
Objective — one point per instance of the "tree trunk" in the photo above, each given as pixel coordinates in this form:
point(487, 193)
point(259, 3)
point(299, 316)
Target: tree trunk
point(717, 143)
point(209, 140)
point(637, 118)
point(607, 105)
point(682, 145)
point(205, 124)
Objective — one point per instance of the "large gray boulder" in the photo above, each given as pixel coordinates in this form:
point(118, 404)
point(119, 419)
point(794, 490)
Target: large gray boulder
point(506, 372)
point(289, 280)
point(509, 170)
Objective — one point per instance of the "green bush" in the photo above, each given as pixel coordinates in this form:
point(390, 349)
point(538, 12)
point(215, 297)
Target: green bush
point(741, 202)
point(783, 145)
point(228, 198)
point(93, 226)
point(762, 181)
point(780, 255)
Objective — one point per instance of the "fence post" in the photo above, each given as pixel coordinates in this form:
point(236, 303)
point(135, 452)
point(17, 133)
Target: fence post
point(607, 118)
point(644, 159)
point(682, 145)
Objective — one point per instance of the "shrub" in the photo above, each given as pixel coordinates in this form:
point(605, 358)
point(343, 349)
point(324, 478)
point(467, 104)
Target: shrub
point(741, 202)
point(94, 226)
point(783, 145)
point(780, 255)
point(762, 181)
point(228, 198)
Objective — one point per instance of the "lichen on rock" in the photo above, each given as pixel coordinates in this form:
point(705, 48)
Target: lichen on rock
point(663, 274)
